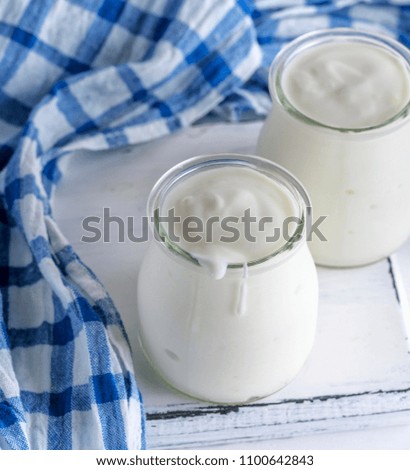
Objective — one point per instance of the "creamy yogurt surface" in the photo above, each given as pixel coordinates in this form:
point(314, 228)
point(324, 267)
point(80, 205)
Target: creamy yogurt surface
point(239, 215)
point(347, 85)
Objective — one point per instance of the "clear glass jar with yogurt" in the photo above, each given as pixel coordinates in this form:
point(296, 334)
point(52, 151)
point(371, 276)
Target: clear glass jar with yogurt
point(229, 317)
point(340, 123)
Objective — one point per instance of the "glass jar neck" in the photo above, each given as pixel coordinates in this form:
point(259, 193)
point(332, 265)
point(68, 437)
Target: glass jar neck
point(203, 163)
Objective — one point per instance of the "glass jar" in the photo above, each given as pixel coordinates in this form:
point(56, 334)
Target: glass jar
point(357, 177)
point(190, 327)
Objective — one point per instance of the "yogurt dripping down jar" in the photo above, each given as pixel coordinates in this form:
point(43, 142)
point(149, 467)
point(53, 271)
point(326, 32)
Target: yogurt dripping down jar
point(340, 123)
point(242, 330)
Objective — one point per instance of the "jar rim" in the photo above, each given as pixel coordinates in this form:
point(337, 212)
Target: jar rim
point(324, 36)
point(209, 161)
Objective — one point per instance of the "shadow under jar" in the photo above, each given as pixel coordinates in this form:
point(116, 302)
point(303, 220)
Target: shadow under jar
point(340, 123)
point(231, 320)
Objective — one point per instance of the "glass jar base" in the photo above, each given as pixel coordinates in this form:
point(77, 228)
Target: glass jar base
point(349, 264)
point(214, 400)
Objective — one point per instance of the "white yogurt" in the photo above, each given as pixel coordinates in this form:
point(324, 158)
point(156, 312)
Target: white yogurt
point(229, 192)
point(335, 123)
point(228, 328)
point(347, 84)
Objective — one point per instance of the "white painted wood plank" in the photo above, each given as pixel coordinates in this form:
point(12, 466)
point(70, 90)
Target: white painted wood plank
point(269, 422)
point(360, 360)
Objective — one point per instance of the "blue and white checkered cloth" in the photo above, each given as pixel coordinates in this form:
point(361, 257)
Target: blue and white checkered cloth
point(100, 74)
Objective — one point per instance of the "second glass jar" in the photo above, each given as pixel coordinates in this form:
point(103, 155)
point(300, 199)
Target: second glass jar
point(357, 176)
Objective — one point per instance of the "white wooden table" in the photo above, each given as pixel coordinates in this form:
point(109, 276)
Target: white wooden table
point(358, 375)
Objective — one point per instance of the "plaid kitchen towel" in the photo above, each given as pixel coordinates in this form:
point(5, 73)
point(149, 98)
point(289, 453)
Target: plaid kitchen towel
point(100, 74)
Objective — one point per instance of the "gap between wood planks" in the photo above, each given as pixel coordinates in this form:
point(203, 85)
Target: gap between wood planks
point(401, 295)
